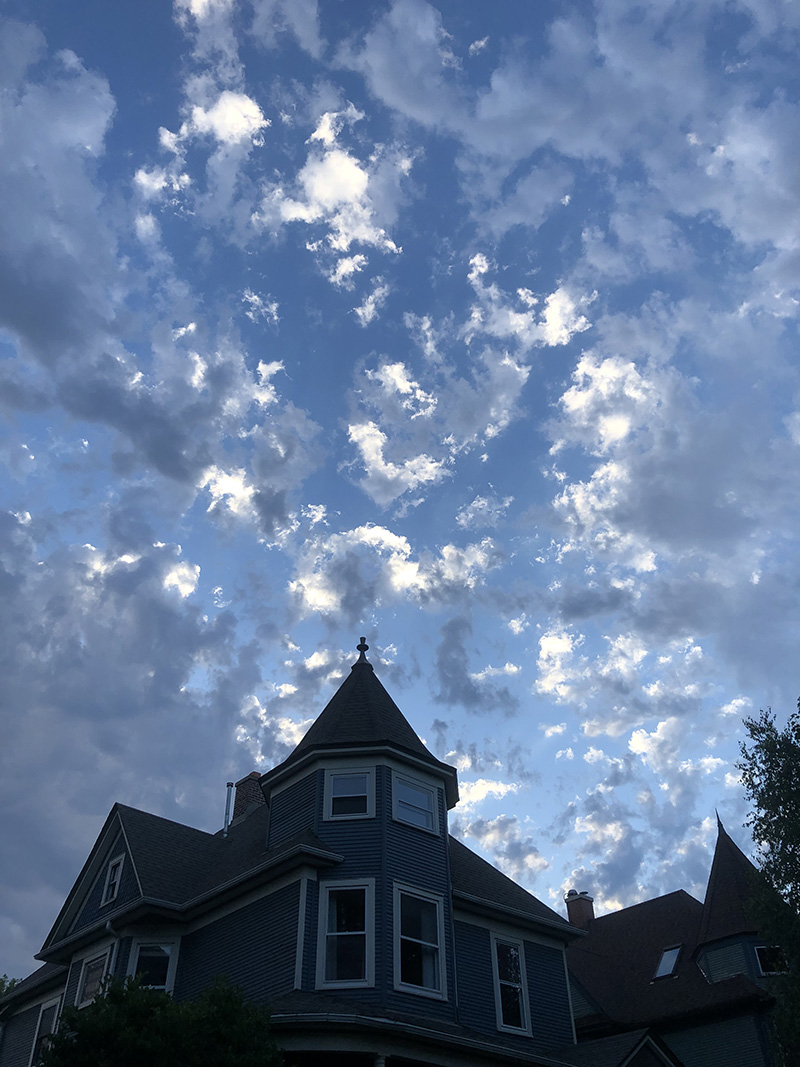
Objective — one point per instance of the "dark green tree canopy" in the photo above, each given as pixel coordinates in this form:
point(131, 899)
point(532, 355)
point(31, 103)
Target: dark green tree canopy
point(131, 1025)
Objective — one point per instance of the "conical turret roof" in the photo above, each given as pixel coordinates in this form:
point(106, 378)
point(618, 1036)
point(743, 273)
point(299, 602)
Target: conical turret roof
point(730, 886)
point(362, 715)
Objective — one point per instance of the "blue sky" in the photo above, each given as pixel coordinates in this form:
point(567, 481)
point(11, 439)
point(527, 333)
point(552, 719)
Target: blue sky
point(471, 328)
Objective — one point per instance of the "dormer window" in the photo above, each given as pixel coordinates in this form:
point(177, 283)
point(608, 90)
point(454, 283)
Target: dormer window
point(668, 961)
point(111, 888)
point(349, 794)
point(414, 803)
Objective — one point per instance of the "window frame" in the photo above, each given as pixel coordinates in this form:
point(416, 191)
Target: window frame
point(37, 1041)
point(423, 786)
point(401, 890)
point(80, 1000)
point(502, 1026)
point(325, 888)
point(345, 772)
point(144, 942)
point(770, 948)
point(109, 896)
point(670, 973)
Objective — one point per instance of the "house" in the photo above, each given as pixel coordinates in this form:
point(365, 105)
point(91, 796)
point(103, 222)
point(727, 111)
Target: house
point(691, 973)
point(337, 896)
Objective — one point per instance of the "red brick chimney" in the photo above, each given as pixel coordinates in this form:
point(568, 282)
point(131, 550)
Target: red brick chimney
point(580, 908)
point(248, 791)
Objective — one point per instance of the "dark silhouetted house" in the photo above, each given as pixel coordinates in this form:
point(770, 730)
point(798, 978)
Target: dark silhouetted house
point(337, 896)
point(691, 973)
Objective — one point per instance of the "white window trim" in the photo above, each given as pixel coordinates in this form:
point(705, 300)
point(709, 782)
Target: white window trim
point(140, 942)
point(498, 1004)
point(104, 955)
point(106, 898)
point(767, 974)
point(367, 884)
point(336, 772)
point(417, 783)
point(404, 987)
point(42, 1008)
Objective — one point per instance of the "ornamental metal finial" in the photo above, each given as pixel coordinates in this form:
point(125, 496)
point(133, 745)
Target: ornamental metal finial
point(362, 647)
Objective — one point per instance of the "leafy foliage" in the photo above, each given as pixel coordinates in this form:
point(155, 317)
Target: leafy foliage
point(771, 777)
point(6, 984)
point(131, 1025)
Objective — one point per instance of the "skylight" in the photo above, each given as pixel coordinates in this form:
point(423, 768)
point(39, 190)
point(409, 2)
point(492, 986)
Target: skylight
point(666, 965)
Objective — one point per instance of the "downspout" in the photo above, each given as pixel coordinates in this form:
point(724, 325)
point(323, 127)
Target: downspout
point(227, 810)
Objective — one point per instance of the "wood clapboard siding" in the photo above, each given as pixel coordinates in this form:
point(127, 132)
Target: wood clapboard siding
point(293, 809)
point(71, 994)
point(736, 1041)
point(253, 947)
point(724, 961)
point(19, 1034)
point(548, 995)
point(123, 955)
point(128, 889)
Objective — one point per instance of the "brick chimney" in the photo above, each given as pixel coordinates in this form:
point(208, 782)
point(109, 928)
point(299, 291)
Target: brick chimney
point(248, 791)
point(580, 908)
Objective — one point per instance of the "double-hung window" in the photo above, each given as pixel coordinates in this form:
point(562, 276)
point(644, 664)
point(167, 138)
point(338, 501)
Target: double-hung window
point(418, 957)
point(346, 934)
point(48, 1018)
point(414, 802)
point(511, 993)
point(154, 963)
point(91, 983)
point(349, 794)
point(113, 875)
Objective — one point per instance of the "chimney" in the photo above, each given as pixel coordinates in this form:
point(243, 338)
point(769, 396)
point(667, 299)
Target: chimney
point(248, 791)
point(580, 908)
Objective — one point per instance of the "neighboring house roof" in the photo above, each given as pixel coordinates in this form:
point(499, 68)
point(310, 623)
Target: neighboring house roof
point(477, 881)
point(361, 714)
point(730, 885)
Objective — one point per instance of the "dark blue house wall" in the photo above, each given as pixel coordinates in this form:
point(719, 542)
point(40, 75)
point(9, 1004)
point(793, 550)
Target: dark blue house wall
point(19, 1033)
point(293, 809)
point(476, 1007)
point(548, 995)
point(92, 910)
point(254, 947)
point(738, 1041)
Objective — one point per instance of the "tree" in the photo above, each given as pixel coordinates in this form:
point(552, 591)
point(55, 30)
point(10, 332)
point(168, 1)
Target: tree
point(6, 984)
point(771, 777)
point(130, 1025)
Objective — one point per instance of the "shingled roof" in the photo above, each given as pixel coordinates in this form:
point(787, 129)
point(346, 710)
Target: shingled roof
point(361, 714)
point(730, 885)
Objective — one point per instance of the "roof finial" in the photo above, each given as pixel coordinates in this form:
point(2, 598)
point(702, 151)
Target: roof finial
point(362, 647)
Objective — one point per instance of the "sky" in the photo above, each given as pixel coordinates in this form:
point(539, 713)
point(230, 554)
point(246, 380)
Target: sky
point(471, 328)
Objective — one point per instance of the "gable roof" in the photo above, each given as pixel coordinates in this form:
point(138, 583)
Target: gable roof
point(730, 886)
point(361, 714)
point(478, 883)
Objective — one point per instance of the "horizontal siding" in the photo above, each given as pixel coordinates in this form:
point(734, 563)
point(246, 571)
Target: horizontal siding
point(92, 910)
point(123, 955)
point(476, 1007)
point(721, 1044)
point(19, 1034)
point(548, 995)
point(724, 961)
point(293, 809)
point(253, 947)
point(72, 982)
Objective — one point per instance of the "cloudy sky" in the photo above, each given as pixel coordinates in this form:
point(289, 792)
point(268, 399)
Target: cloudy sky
point(471, 328)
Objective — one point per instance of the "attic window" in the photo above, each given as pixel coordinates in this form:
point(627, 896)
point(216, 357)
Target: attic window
point(666, 965)
point(113, 876)
point(771, 959)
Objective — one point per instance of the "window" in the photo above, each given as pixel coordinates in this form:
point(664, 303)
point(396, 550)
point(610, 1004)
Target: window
point(414, 803)
point(666, 965)
point(92, 979)
point(418, 938)
point(511, 991)
point(111, 887)
point(771, 959)
point(154, 962)
point(48, 1017)
point(345, 950)
point(349, 795)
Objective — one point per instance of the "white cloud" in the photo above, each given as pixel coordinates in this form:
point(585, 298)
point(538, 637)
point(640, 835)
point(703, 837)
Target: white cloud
point(373, 302)
point(384, 479)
